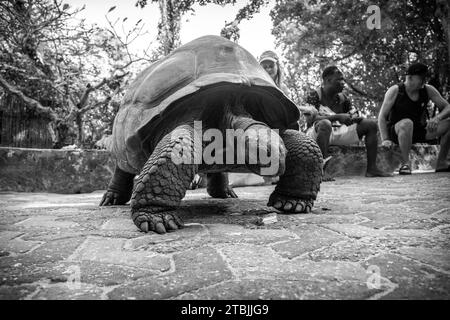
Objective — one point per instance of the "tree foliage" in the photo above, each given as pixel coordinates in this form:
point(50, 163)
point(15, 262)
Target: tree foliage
point(62, 68)
point(173, 10)
point(316, 33)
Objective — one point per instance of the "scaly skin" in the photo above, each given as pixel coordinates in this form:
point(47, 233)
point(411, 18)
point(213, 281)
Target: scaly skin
point(119, 188)
point(217, 186)
point(162, 184)
point(300, 183)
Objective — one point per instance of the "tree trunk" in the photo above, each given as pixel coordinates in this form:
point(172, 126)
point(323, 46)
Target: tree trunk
point(169, 26)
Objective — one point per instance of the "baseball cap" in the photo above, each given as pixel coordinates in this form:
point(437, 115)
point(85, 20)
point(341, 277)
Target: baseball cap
point(268, 56)
point(418, 69)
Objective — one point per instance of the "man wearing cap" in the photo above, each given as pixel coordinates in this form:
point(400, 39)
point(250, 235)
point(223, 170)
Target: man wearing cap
point(335, 121)
point(403, 117)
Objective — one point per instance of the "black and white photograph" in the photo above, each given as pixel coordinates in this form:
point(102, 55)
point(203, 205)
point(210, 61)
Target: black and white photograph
point(227, 156)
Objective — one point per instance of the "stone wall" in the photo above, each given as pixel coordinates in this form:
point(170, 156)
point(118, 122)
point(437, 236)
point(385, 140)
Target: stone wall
point(81, 171)
point(351, 160)
point(60, 171)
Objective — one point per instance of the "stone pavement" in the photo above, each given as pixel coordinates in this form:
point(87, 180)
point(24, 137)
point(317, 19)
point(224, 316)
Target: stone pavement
point(378, 238)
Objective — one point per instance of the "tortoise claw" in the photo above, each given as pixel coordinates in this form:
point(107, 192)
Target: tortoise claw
point(144, 226)
point(172, 225)
point(159, 228)
point(290, 205)
point(159, 222)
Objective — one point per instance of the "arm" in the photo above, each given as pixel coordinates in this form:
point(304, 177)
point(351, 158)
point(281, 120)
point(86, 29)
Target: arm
point(341, 117)
point(388, 102)
point(441, 103)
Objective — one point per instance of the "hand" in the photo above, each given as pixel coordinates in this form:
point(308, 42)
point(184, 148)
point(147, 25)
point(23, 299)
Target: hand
point(344, 118)
point(432, 124)
point(387, 144)
point(310, 113)
point(357, 120)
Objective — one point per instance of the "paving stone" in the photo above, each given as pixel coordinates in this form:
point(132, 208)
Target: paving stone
point(413, 280)
point(438, 257)
point(194, 269)
point(111, 251)
point(351, 250)
point(394, 217)
point(11, 241)
point(103, 274)
point(16, 292)
point(357, 231)
point(17, 273)
point(223, 233)
point(400, 224)
point(52, 251)
point(259, 262)
point(282, 290)
point(119, 224)
point(66, 291)
point(310, 238)
point(46, 222)
point(191, 236)
point(319, 216)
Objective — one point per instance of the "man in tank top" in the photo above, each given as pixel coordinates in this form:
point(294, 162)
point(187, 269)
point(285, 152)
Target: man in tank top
point(403, 117)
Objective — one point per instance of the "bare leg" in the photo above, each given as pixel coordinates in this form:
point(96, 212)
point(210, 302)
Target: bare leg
point(404, 130)
point(369, 128)
point(323, 129)
point(442, 131)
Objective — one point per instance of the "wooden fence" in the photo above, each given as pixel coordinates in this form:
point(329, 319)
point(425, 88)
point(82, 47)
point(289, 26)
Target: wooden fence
point(20, 127)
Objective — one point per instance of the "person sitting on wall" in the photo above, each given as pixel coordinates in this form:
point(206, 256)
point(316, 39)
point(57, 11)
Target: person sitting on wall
point(335, 121)
point(403, 117)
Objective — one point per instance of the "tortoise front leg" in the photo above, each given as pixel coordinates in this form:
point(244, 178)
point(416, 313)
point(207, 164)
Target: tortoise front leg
point(300, 183)
point(163, 182)
point(218, 187)
point(119, 188)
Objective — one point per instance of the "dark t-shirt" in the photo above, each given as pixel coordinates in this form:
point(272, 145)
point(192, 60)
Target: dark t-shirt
point(341, 104)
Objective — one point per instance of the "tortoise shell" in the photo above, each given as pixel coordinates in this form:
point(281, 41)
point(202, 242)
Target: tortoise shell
point(194, 67)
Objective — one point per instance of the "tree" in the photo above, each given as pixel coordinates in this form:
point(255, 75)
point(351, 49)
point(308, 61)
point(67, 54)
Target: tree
point(62, 68)
point(173, 10)
point(315, 33)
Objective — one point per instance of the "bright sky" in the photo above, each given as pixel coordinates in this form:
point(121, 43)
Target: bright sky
point(256, 34)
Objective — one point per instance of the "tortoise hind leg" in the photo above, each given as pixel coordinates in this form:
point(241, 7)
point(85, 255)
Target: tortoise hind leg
point(119, 188)
point(300, 183)
point(218, 187)
point(163, 182)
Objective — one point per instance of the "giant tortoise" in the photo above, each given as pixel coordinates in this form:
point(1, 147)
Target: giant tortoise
point(213, 82)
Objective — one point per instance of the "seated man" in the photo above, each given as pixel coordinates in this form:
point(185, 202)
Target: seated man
point(334, 121)
point(403, 117)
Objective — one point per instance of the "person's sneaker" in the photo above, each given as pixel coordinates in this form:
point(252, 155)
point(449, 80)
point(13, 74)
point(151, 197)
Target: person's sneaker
point(404, 170)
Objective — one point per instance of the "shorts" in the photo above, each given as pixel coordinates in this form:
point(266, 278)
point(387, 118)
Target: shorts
point(340, 136)
point(419, 133)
